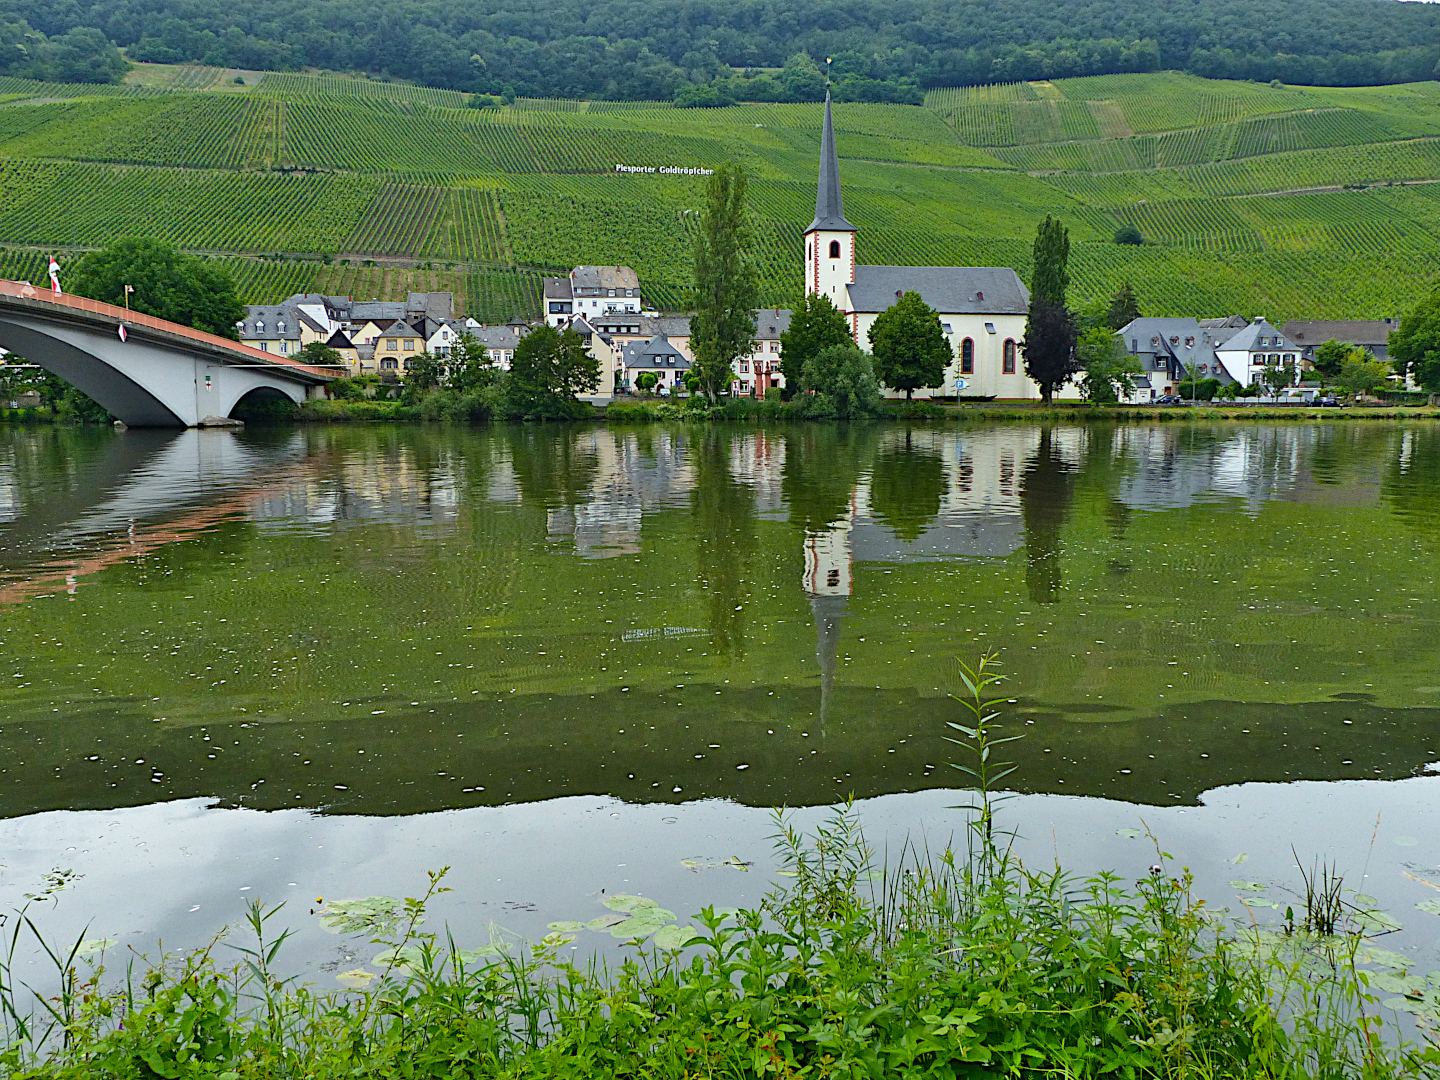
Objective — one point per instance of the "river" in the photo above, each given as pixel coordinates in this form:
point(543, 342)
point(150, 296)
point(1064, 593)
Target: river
point(294, 663)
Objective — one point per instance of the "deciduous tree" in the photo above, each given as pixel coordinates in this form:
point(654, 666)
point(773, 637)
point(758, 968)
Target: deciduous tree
point(547, 372)
point(815, 324)
point(168, 284)
point(842, 384)
point(909, 346)
point(1329, 357)
point(1109, 371)
point(726, 284)
point(1415, 346)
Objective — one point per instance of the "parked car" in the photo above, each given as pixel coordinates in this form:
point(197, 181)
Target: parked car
point(1169, 399)
point(1328, 399)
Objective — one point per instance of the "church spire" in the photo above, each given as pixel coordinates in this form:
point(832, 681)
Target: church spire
point(829, 202)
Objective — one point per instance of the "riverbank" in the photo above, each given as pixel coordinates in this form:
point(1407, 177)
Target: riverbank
point(942, 964)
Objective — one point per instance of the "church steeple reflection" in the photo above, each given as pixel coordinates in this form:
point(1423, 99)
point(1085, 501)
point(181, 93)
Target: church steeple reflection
point(828, 580)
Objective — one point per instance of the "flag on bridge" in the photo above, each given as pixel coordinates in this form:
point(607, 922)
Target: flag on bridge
point(54, 275)
point(122, 331)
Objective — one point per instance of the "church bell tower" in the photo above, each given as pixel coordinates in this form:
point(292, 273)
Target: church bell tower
point(830, 239)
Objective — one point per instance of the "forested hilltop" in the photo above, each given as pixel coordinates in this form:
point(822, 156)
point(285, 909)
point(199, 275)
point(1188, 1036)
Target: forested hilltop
point(752, 50)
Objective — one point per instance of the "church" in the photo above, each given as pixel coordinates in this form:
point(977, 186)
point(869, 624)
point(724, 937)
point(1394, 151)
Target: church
point(982, 309)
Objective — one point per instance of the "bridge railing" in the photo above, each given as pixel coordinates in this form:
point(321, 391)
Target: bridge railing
point(44, 295)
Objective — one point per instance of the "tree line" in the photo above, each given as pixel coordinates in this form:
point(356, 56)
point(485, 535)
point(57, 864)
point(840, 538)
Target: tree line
point(646, 49)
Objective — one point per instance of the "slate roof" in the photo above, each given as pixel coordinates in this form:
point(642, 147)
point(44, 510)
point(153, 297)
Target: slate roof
point(604, 277)
point(829, 200)
point(432, 305)
point(340, 340)
point(401, 329)
point(503, 338)
point(558, 288)
point(770, 323)
point(950, 290)
point(1372, 332)
point(1247, 340)
point(676, 326)
point(377, 311)
point(655, 353)
point(271, 316)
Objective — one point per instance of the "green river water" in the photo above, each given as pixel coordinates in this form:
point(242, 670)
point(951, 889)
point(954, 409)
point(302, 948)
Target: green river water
point(316, 659)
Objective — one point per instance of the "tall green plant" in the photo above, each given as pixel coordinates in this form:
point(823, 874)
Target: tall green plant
point(726, 283)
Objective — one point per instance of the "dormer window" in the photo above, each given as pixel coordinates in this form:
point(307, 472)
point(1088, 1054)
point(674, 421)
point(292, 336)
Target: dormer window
point(280, 326)
point(1189, 342)
point(259, 326)
point(979, 296)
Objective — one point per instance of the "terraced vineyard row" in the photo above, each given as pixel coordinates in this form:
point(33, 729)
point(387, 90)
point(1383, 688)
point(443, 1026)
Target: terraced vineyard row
point(398, 221)
point(469, 228)
point(499, 295)
point(292, 87)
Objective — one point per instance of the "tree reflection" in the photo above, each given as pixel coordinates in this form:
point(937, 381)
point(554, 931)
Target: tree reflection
point(1046, 490)
point(1411, 481)
point(823, 463)
point(552, 469)
point(724, 512)
point(907, 486)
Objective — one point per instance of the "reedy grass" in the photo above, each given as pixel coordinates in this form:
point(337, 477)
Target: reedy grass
point(936, 964)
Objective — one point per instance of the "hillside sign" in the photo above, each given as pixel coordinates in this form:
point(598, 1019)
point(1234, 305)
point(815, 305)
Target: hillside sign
point(671, 170)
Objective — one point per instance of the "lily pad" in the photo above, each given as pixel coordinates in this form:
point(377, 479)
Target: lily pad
point(356, 978)
point(374, 915)
point(1431, 906)
point(604, 922)
point(484, 952)
point(626, 903)
point(1405, 1004)
point(642, 924)
point(1375, 921)
point(1369, 954)
point(565, 927)
point(675, 937)
point(91, 946)
point(556, 939)
point(1399, 983)
point(410, 958)
point(1129, 834)
point(1238, 859)
point(1248, 886)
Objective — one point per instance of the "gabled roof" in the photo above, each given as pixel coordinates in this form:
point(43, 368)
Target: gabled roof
point(433, 305)
point(829, 200)
point(400, 329)
point(604, 277)
point(503, 338)
point(672, 326)
point(1247, 340)
point(1372, 332)
point(558, 288)
point(376, 311)
point(770, 323)
point(655, 353)
point(950, 290)
point(340, 340)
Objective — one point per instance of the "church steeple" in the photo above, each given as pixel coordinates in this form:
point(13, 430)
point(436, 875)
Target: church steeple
point(829, 202)
point(829, 239)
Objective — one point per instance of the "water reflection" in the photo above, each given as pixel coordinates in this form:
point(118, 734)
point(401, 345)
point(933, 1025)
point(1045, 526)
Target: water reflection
point(519, 613)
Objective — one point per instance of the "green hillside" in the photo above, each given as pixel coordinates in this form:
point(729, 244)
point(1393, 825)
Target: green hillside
point(1282, 201)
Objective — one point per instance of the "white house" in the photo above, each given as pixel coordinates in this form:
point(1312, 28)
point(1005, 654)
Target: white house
point(658, 356)
point(982, 309)
point(1250, 351)
point(591, 291)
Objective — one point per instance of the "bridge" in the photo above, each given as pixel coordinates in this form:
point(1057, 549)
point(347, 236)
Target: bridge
point(154, 374)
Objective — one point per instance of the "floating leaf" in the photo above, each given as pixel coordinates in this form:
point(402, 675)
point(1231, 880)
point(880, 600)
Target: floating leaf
point(1375, 921)
point(1431, 906)
point(356, 978)
point(555, 940)
point(604, 922)
point(735, 862)
point(90, 946)
point(1369, 954)
point(1368, 901)
point(374, 915)
point(565, 927)
point(624, 902)
point(675, 937)
point(484, 952)
point(1238, 859)
point(1248, 886)
point(642, 924)
point(1129, 834)
point(1399, 983)
point(1405, 1004)
point(1405, 841)
point(410, 958)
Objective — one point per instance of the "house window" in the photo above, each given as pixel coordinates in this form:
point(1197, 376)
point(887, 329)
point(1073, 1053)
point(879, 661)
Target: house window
point(1009, 363)
point(264, 346)
point(945, 328)
point(744, 367)
point(967, 357)
point(559, 309)
point(409, 363)
point(285, 347)
point(774, 346)
point(1274, 358)
point(834, 249)
point(1204, 369)
point(409, 345)
point(1289, 358)
point(389, 363)
point(259, 326)
point(390, 344)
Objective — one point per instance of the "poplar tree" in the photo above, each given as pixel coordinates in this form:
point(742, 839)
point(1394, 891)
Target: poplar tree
point(1051, 331)
point(726, 287)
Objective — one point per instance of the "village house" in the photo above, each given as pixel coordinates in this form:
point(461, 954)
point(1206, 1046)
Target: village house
point(1233, 350)
point(657, 356)
point(591, 291)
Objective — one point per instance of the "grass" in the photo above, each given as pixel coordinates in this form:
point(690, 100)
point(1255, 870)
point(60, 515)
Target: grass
point(316, 165)
point(963, 962)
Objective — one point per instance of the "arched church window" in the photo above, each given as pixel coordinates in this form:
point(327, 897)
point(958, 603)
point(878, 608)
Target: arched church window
point(834, 249)
point(967, 357)
point(1009, 362)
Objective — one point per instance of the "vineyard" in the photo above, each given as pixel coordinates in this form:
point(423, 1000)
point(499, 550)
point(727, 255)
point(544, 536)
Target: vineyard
point(1252, 198)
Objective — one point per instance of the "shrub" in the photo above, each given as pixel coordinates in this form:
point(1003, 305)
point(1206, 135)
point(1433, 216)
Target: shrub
point(1128, 234)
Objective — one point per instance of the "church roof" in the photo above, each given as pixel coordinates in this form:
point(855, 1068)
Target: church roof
point(950, 290)
point(829, 202)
